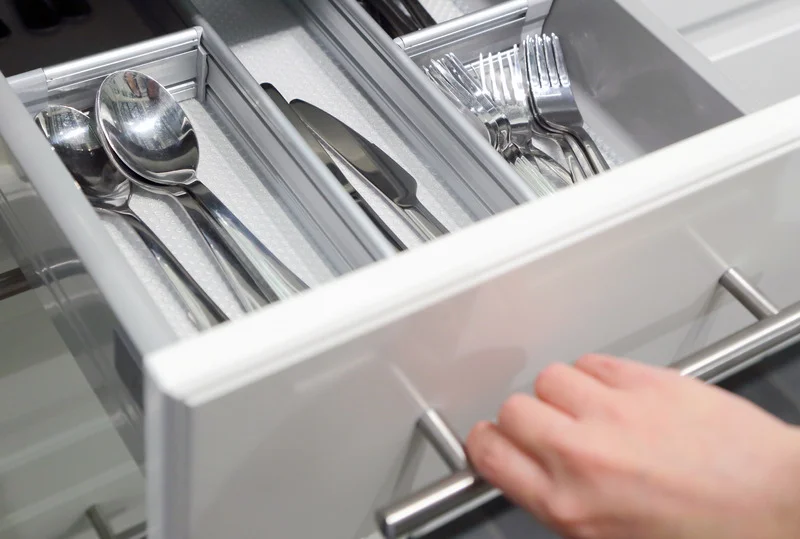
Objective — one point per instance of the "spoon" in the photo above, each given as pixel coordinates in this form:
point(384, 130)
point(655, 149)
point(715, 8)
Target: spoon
point(145, 127)
point(73, 137)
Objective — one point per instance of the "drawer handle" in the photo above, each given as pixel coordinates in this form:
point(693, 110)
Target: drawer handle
point(442, 502)
point(103, 529)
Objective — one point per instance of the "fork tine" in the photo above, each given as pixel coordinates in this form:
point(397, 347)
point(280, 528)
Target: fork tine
point(482, 72)
point(493, 78)
point(541, 63)
point(552, 70)
point(561, 64)
point(503, 80)
point(529, 50)
point(516, 75)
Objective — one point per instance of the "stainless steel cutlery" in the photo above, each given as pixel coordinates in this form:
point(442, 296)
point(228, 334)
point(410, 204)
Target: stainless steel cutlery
point(398, 17)
point(329, 137)
point(552, 95)
point(142, 124)
point(72, 135)
point(143, 140)
point(374, 165)
point(324, 155)
point(520, 99)
point(523, 102)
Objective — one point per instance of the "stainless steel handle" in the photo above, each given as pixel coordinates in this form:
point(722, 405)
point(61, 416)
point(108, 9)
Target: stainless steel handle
point(451, 497)
point(103, 529)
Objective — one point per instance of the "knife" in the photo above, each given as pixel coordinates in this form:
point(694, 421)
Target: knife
point(383, 172)
point(311, 139)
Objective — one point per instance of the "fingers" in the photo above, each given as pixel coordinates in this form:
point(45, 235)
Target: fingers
point(621, 373)
point(498, 460)
point(533, 426)
point(571, 390)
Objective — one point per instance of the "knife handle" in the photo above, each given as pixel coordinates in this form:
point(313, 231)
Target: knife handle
point(388, 233)
point(424, 223)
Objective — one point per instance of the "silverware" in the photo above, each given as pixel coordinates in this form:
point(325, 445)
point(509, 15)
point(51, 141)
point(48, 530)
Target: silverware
point(449, 73)
point(383, 172)
point(511, 98)
point(552, 95)
point(73, 137)
point(403, 16)
point(315, 145)
point(147, 130)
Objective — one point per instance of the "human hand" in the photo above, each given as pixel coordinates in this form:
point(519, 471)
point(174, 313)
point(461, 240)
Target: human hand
point(612, 449)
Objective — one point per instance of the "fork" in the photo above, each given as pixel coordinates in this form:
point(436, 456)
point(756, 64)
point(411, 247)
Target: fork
point(512, 100)
point(450, 75)
point(552, 95)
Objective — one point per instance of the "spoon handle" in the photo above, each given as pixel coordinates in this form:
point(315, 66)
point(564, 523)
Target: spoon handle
point(243, 286)
point(274, 280)
point(200, 308)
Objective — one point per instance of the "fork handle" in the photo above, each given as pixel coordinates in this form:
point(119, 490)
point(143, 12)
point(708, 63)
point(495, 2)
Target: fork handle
point(598, 162)
point(574, 165)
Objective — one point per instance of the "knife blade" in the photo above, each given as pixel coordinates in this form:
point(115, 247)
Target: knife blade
point(383, 172)
point(311, 139)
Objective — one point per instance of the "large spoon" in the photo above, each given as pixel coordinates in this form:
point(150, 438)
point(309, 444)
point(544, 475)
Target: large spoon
point(72, 135)
point(149, 132)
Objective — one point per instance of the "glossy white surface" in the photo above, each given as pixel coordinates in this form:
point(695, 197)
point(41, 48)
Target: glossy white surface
point(59, 451)
point(754, 42)
point(296, 422)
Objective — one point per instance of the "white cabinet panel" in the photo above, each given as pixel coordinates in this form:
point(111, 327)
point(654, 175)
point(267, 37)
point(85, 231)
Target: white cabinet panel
point(682, 14)
point(753, 42)
point(756, 49)
point(297, 422)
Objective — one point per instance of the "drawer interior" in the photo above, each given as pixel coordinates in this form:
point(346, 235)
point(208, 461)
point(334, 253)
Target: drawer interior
point(309, 51)
point(234, 163)
point(637, 90)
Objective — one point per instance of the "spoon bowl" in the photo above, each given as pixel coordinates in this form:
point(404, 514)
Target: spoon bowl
point(72, 135)
point(147, 128)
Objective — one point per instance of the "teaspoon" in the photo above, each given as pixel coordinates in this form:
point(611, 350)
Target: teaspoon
point(145, 127)
point(73, 137)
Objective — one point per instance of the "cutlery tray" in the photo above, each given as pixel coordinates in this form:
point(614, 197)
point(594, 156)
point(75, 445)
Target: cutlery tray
point(236, 163)
point(266, 179)
point(639, 87)
point(309, 50)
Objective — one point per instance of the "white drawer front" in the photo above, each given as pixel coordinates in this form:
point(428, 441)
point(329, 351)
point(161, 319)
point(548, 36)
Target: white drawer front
point(298, 422)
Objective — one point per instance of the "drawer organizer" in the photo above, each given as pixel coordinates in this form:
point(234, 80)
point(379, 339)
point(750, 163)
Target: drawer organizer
point(266, 179)
point(310, 51)
point(637, 89)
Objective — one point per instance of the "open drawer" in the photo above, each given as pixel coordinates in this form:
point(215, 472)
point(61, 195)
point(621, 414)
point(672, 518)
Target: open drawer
point(308, 409)
point(307, 426)
point(298, 420)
